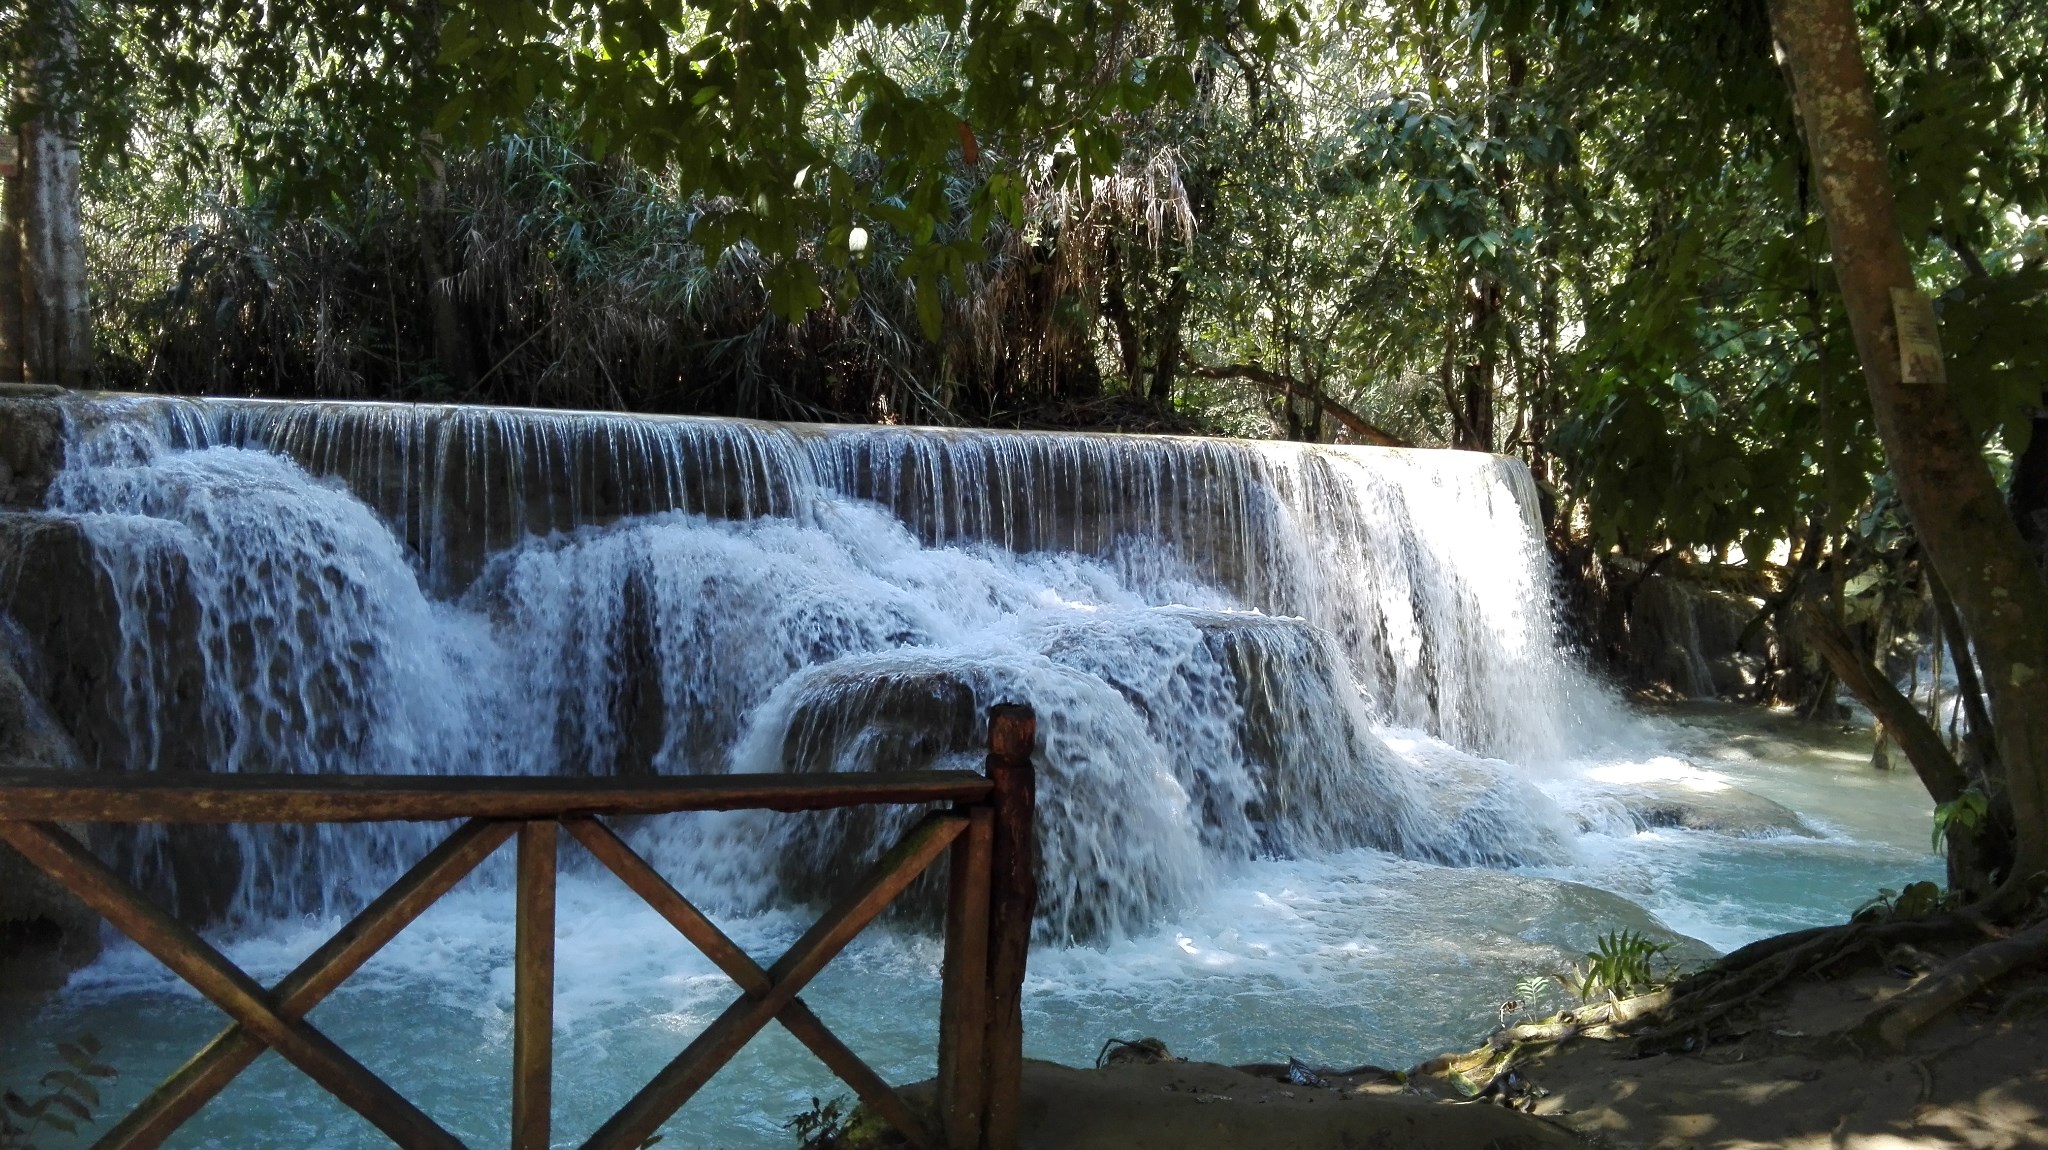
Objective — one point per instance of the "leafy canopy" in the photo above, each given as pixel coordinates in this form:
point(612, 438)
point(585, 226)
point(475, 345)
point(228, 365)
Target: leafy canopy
point(316, 96)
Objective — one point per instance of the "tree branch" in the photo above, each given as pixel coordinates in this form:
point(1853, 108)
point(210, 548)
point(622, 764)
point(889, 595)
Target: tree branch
point(1979, 739)
point(1938, 770)
point(1293, 388)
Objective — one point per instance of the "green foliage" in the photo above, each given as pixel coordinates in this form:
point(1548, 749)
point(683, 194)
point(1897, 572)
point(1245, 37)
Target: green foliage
point(1580, 233)
point(1965, 812)
point(1917, 900)
point(1994, 332)
point(561, 282)
point(65, 1099)
point(1531, 995)
point(309, 100)
point(1618, 965)
point(1717, 397)
point(820, 1127)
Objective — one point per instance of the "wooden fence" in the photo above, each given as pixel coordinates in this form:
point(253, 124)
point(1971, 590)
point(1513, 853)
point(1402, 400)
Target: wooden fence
point(992, 893)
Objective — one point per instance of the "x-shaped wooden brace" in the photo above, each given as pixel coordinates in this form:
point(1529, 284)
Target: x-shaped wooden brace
point(275, 1018)
point(272, 1018)
point(768, 994)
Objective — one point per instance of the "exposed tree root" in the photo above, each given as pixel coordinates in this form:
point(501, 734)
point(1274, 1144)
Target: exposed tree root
point(1702, 1008)
point(1474, 1072)
point(1949, 986)
point(1702, 1004)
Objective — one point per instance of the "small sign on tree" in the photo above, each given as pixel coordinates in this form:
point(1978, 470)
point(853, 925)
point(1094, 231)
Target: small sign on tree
point(10, 156)
point(1919, 337)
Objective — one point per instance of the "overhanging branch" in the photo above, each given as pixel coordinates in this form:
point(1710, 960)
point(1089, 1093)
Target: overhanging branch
point(1293, 388)
point(1938, 770)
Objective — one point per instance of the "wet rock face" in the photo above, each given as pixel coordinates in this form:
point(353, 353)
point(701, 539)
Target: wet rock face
point(31, 443)
point(44, 930)
point(60, 627)
point(30, 737)
point(68, 624)
point(1672, 633)
point(63, 624)
point(39, 922)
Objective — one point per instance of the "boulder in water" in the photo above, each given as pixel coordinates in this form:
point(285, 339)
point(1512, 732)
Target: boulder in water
point(1724, 810)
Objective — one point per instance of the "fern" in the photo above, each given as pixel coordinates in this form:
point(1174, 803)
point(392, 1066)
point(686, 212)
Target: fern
point(1619, 964)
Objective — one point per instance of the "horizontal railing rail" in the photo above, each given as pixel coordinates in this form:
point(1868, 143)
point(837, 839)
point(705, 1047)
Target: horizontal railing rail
point(992, 894)
point(136, 797)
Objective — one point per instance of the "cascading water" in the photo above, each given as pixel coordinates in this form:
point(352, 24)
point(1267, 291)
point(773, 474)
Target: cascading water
point(1211, 631)
point(1288, 697)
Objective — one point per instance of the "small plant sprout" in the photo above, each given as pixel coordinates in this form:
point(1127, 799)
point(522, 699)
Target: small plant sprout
point(1618, 966)
point(1917, 900)
point(820, 1126)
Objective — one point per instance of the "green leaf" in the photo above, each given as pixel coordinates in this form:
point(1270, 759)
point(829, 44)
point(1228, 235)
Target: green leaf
point(74, 1082)
point(930, 310)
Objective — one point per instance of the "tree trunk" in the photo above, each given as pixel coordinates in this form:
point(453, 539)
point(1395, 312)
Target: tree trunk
point(1976, 855)
point(56, 319)
point(2027, 493)
point(453, 344)
point(1978, 739)
point(13, 204)
point(1166, 351)
point(1939, 772)
point(1941, 476)
point(1130, 352)
point(1548, 308)
point(1474, 428)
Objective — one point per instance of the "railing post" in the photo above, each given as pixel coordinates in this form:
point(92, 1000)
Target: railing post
point(533, 986)
point(1013, 888)
point(963, 1002)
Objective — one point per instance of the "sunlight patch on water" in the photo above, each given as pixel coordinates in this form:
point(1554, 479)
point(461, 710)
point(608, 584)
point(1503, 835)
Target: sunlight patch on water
point(1660, 769)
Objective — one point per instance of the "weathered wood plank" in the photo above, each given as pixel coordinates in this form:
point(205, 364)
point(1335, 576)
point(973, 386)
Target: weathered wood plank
point(209, 1072)
point(198, 963)
point(533, 986)
point(682, 1077)
point(1012, 732)
point(702, 933)
point(963, 1003)
point(642, 879)
point(151, 797)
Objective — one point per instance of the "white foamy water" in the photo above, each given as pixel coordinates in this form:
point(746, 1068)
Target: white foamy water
point(1315, 778)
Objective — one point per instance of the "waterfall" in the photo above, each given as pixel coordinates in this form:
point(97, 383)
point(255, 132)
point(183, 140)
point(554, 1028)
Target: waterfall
point(1217, 634)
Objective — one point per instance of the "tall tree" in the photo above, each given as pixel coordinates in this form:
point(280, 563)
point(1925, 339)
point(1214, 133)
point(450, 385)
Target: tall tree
point(55, 316)
point(1943, 481)
point(13, 203)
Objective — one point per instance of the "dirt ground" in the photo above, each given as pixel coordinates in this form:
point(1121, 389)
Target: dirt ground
point(1203, 1106)
point(1976, 1080)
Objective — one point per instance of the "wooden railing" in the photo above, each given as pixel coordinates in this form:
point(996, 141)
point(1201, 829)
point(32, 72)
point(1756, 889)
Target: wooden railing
point(992, 893)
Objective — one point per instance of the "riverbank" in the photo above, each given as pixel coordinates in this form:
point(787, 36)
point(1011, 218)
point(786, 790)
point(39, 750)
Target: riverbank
point(1780, 1077)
